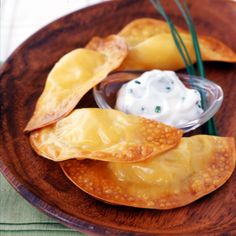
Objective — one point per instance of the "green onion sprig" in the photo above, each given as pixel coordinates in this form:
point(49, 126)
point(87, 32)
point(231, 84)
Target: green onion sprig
point(210, 128)
point(177, 38)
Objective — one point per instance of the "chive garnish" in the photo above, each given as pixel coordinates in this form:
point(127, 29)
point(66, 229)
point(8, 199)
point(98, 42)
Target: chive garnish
point(199, 104)
point(137, 82)
point(177, 38)
point(210, 128)
point(158, 109)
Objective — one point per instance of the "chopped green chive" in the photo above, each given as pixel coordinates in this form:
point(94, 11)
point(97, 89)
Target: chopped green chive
point(158, 109)
point(199, 104)
point(137, 82)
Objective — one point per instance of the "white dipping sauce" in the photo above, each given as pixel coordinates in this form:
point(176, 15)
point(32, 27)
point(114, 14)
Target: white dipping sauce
point(161, 96)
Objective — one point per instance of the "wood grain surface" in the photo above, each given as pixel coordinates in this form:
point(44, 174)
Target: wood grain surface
point(42, 182)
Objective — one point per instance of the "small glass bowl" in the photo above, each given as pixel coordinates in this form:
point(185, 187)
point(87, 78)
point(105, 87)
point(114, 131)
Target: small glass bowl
point(105, 94)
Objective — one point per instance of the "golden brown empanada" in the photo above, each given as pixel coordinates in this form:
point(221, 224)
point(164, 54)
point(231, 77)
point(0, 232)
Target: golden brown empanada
point(197, 166)
point(141, 29)
point(73, 76)
point(151, 46)
point(108, 135)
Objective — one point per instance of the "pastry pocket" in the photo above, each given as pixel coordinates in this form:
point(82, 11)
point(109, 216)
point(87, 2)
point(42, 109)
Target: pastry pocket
point(151, 46)
point(141, 29)
point(108, 135)
point(74, 75)
point(196, 167)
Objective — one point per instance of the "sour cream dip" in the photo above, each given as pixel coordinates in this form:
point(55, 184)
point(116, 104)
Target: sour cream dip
point(161, 96)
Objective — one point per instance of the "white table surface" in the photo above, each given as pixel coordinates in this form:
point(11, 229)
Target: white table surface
point(21, 18)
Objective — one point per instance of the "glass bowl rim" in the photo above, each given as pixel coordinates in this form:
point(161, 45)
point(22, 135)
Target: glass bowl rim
point(197, 82)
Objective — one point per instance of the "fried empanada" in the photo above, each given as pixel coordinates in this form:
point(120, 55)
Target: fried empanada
point(141, 29)
point(108, 135)
point(151, 46)
point(197, 166)
point(73, 76)
point(157, 52)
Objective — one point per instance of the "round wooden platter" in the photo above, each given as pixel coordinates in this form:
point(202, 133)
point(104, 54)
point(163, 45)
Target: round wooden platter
point(42, 182)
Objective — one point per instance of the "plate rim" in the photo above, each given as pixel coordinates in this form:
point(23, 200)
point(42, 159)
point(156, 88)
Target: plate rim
point(78, 224)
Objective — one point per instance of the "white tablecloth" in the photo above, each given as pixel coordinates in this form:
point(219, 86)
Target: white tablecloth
point(21, 18)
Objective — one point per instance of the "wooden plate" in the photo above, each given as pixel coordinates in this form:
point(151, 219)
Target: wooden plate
point(42, 182)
